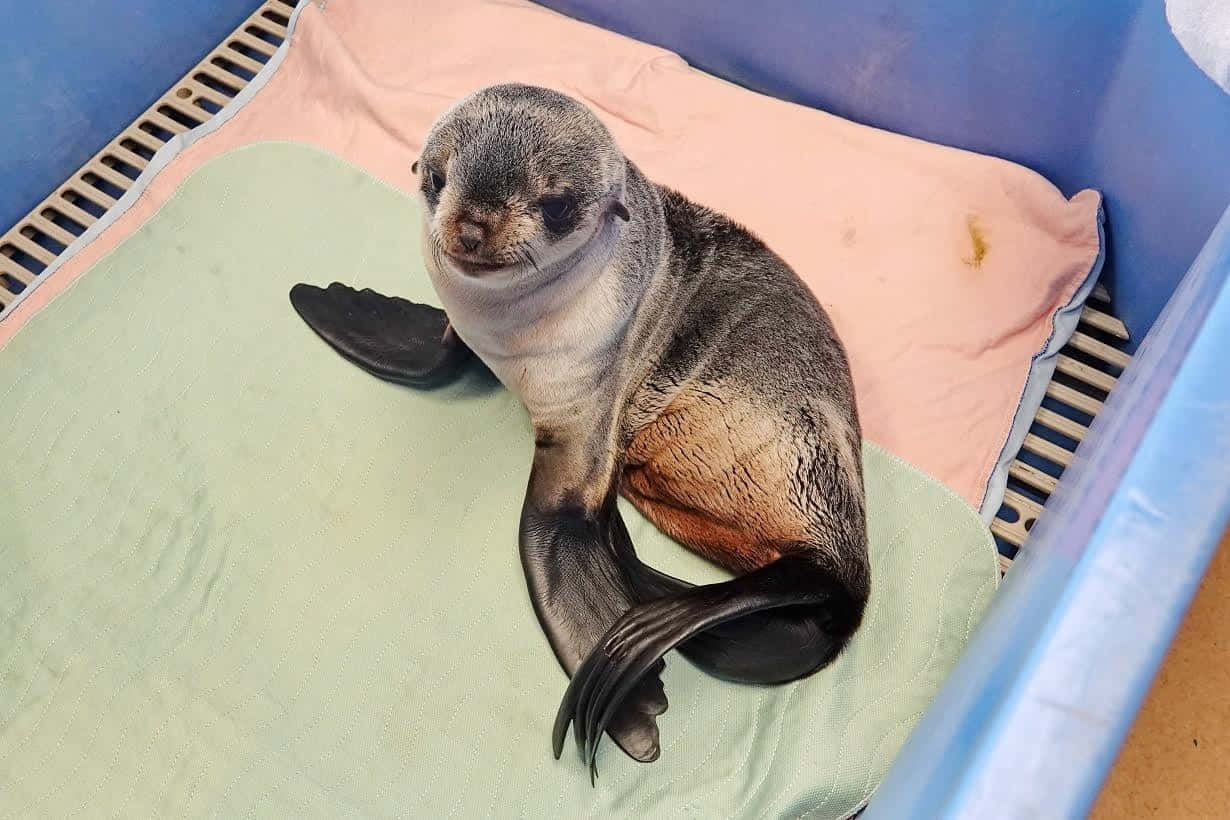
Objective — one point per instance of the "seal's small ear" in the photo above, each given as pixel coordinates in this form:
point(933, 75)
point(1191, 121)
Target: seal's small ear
point(414, 169)
point(616, 195)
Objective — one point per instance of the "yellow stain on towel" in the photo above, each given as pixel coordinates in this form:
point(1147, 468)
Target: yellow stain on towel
point(978, 239)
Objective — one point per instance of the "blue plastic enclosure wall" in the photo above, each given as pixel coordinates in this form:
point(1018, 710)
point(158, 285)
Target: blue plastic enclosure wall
point(1090, 93)
point(74, 73)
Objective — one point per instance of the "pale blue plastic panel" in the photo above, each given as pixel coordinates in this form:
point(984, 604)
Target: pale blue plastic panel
point(73, 73)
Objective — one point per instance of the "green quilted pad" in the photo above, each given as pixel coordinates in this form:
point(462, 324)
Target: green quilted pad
point(240, 576)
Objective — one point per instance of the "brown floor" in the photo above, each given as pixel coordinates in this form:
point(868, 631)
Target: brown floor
point(1176, 762)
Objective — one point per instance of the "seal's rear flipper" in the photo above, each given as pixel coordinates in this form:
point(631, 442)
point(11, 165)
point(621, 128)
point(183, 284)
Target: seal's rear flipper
point(391, 338)
point(770, 646)
point(794, 595)
point(578, 591)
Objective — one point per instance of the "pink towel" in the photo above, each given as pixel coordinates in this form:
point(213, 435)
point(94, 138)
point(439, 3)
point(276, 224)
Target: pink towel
point(942, 269)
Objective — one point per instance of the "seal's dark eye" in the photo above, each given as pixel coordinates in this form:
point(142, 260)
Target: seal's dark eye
point(435, 179)
point(558, 212)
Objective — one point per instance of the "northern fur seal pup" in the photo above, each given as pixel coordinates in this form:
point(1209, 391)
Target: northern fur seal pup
point(663, 352)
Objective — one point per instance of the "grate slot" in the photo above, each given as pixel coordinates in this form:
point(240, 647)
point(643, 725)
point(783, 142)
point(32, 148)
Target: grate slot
point(12, 267)
point(186, 119)
point(82, 217)
point(137, 139)
point(58, 219)
point(208, 107)
point(121, 165)
point(1024, 513)
point(23, 266)
point(1061, 424)
point(1026, 508)
point(1073, 398)
point(214, 81)
point(138, 156)
point(32, 249)
point(236, 56)
point(1051, 452)
point(276, 22)
point(253, 45)
point(103, 194)
point(10, 286)
point(1084, 373)
point(51, 229)
point(1105, 322)
point(103, 171)
point(267, 33)
point(160, 120)
point(198, 91)
point(1031, 476)
point(233, 68)
point(43, 240)
point(1099, 350)
point(161, 135)
point(11, 281)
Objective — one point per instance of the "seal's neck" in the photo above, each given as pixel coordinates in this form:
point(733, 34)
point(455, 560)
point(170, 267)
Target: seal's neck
point(549, 335)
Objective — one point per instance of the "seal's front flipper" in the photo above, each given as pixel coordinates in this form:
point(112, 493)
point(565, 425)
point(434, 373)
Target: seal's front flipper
point(795, 595)
point(576, 583)
point(391, 338)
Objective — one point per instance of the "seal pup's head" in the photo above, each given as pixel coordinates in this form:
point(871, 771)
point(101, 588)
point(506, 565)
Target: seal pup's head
point(517, 181)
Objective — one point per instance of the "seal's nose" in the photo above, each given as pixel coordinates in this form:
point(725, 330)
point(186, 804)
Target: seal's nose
point(469, 236)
